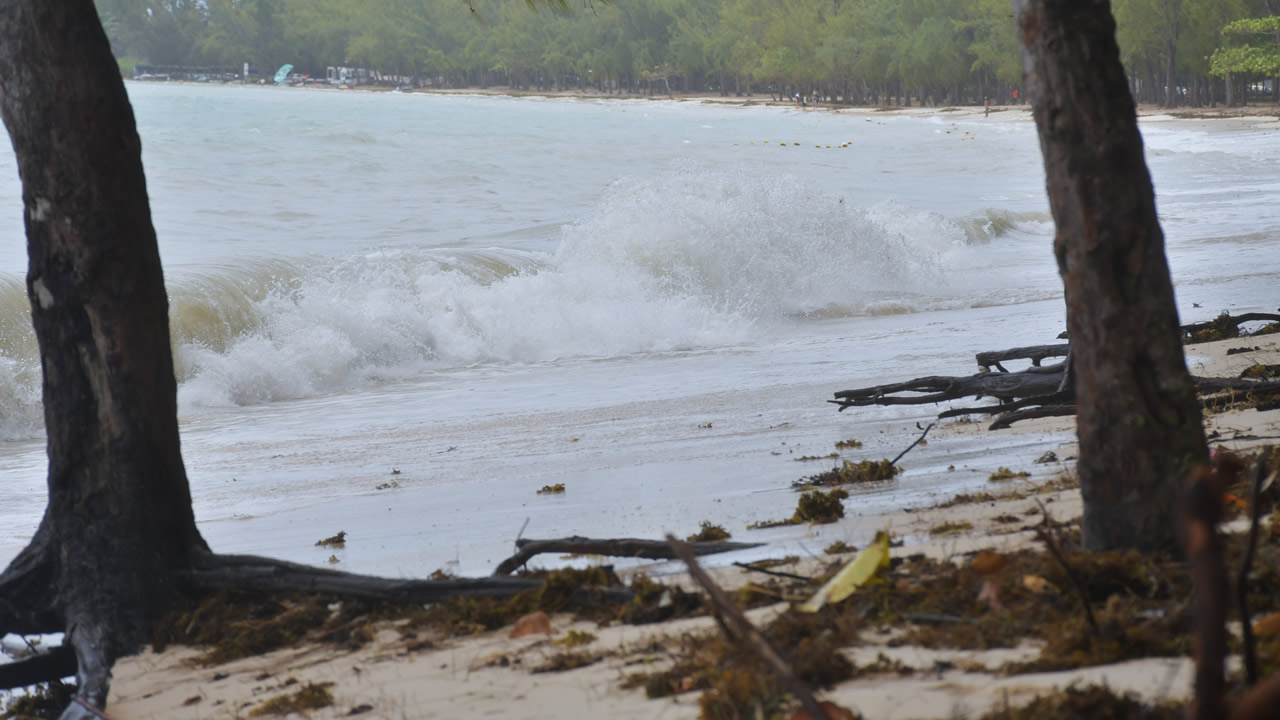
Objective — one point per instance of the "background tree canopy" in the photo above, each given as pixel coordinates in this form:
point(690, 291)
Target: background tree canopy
point(1174, 51)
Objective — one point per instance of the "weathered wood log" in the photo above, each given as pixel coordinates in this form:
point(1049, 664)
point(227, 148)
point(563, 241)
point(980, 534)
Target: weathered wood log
point(1008, 419)
point(619, 547)
point(1043, 380)
point(1057, 398)
point(1034, 353)
point(45, 667)
point(1223, 323)
point(247, 572)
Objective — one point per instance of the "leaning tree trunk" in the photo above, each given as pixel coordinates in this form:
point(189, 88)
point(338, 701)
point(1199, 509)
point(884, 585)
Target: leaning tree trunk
point(116, 478)
point(1139, 423)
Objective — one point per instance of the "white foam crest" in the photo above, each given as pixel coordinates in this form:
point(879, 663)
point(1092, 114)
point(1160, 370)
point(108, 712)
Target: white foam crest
point(754, 244)
point(696, 258)
point(21, 413)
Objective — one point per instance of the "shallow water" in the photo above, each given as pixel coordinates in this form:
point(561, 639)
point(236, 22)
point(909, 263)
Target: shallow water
point(648, 301)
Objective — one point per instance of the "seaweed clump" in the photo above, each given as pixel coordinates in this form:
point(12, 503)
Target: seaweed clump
point(1004, 474)
point(815, 507)
point(311, 696)
point(46, 700)
point(237, 624)
point(557, 489)
point(709, 533)
point(851, 473)
point(1093, 702)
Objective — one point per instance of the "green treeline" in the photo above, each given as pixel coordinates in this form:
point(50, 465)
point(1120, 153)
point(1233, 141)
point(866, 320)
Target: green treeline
point(1190, 52)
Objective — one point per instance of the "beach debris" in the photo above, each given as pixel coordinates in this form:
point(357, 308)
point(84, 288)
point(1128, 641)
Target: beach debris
point(613, 547)
point(811, 458)
point(704, 426)
point(988, 563)
point(1227, 326)
point(395, 471)
point(708, 533)
point(839, 547)
point(534, 622)
point(989, 595)
point(387, 485)
point(1004, 474)
point(557, 489)
point(849, 444)
point(851, 473)
point(338, 541)
point(861, 571)
point(575, 638)
point(747, 633)
point(919, 441)
point(333, 560)
point(564, 661)
point(1049, 390)
point(833, 711)
point(815, 507)
point(311, 696)
point(1048, 457)
point(1039, 585)
point(958, 527)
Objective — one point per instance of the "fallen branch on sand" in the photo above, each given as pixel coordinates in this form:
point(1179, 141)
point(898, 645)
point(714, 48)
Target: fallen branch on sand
point(739, 626)
point(622, 547)
point(1037, 391)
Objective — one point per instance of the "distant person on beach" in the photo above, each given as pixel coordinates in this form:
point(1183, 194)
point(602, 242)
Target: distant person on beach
point(986, 106)
point(1015, 96)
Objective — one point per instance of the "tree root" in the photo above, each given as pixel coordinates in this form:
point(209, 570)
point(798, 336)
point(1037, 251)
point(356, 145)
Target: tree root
point(623, 547)
point(43, 667)
point(248, 572)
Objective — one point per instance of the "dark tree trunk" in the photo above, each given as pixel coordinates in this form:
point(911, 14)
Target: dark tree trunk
point(116, 478)
point(1139, 422)
point(118, 543)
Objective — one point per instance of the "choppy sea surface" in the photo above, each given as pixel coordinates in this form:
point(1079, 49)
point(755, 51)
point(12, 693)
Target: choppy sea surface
point(402, 315)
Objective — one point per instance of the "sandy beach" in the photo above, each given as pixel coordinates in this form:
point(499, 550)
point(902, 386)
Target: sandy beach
point(491, 675)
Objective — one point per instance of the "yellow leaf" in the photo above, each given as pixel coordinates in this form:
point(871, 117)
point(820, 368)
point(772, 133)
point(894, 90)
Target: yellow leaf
point(1039, 585)
point(861, 571)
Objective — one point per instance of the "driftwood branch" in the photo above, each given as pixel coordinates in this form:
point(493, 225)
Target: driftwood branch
point(1034, 353)
point(1043, 534)
point(1003, 386)
point(1038, 391)
point(247, 572)
point(623, 547)
point(1008, 419)
point(747, 632)
point(1202, 510)
point(38, 668)
point(1224, 322)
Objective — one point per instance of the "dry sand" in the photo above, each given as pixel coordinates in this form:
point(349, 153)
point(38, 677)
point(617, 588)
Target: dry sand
point(490, 675)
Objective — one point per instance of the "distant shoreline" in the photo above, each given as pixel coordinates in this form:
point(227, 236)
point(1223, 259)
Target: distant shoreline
point(1264, 116)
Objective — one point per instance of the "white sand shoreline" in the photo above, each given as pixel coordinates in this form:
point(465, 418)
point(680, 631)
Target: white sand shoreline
point(488, 675)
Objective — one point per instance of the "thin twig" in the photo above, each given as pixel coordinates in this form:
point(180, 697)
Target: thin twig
point(742, 627)
point(1056, 552)
point(917, 442)
point(89, 707)
point(1242, 578)
point(775, 573)
point(1202, 510)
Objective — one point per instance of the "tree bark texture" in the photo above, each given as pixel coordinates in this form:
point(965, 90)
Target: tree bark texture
point(1139, 423)
point(119, 518)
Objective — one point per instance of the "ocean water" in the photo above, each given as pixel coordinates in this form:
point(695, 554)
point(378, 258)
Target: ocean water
point(402, 315)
